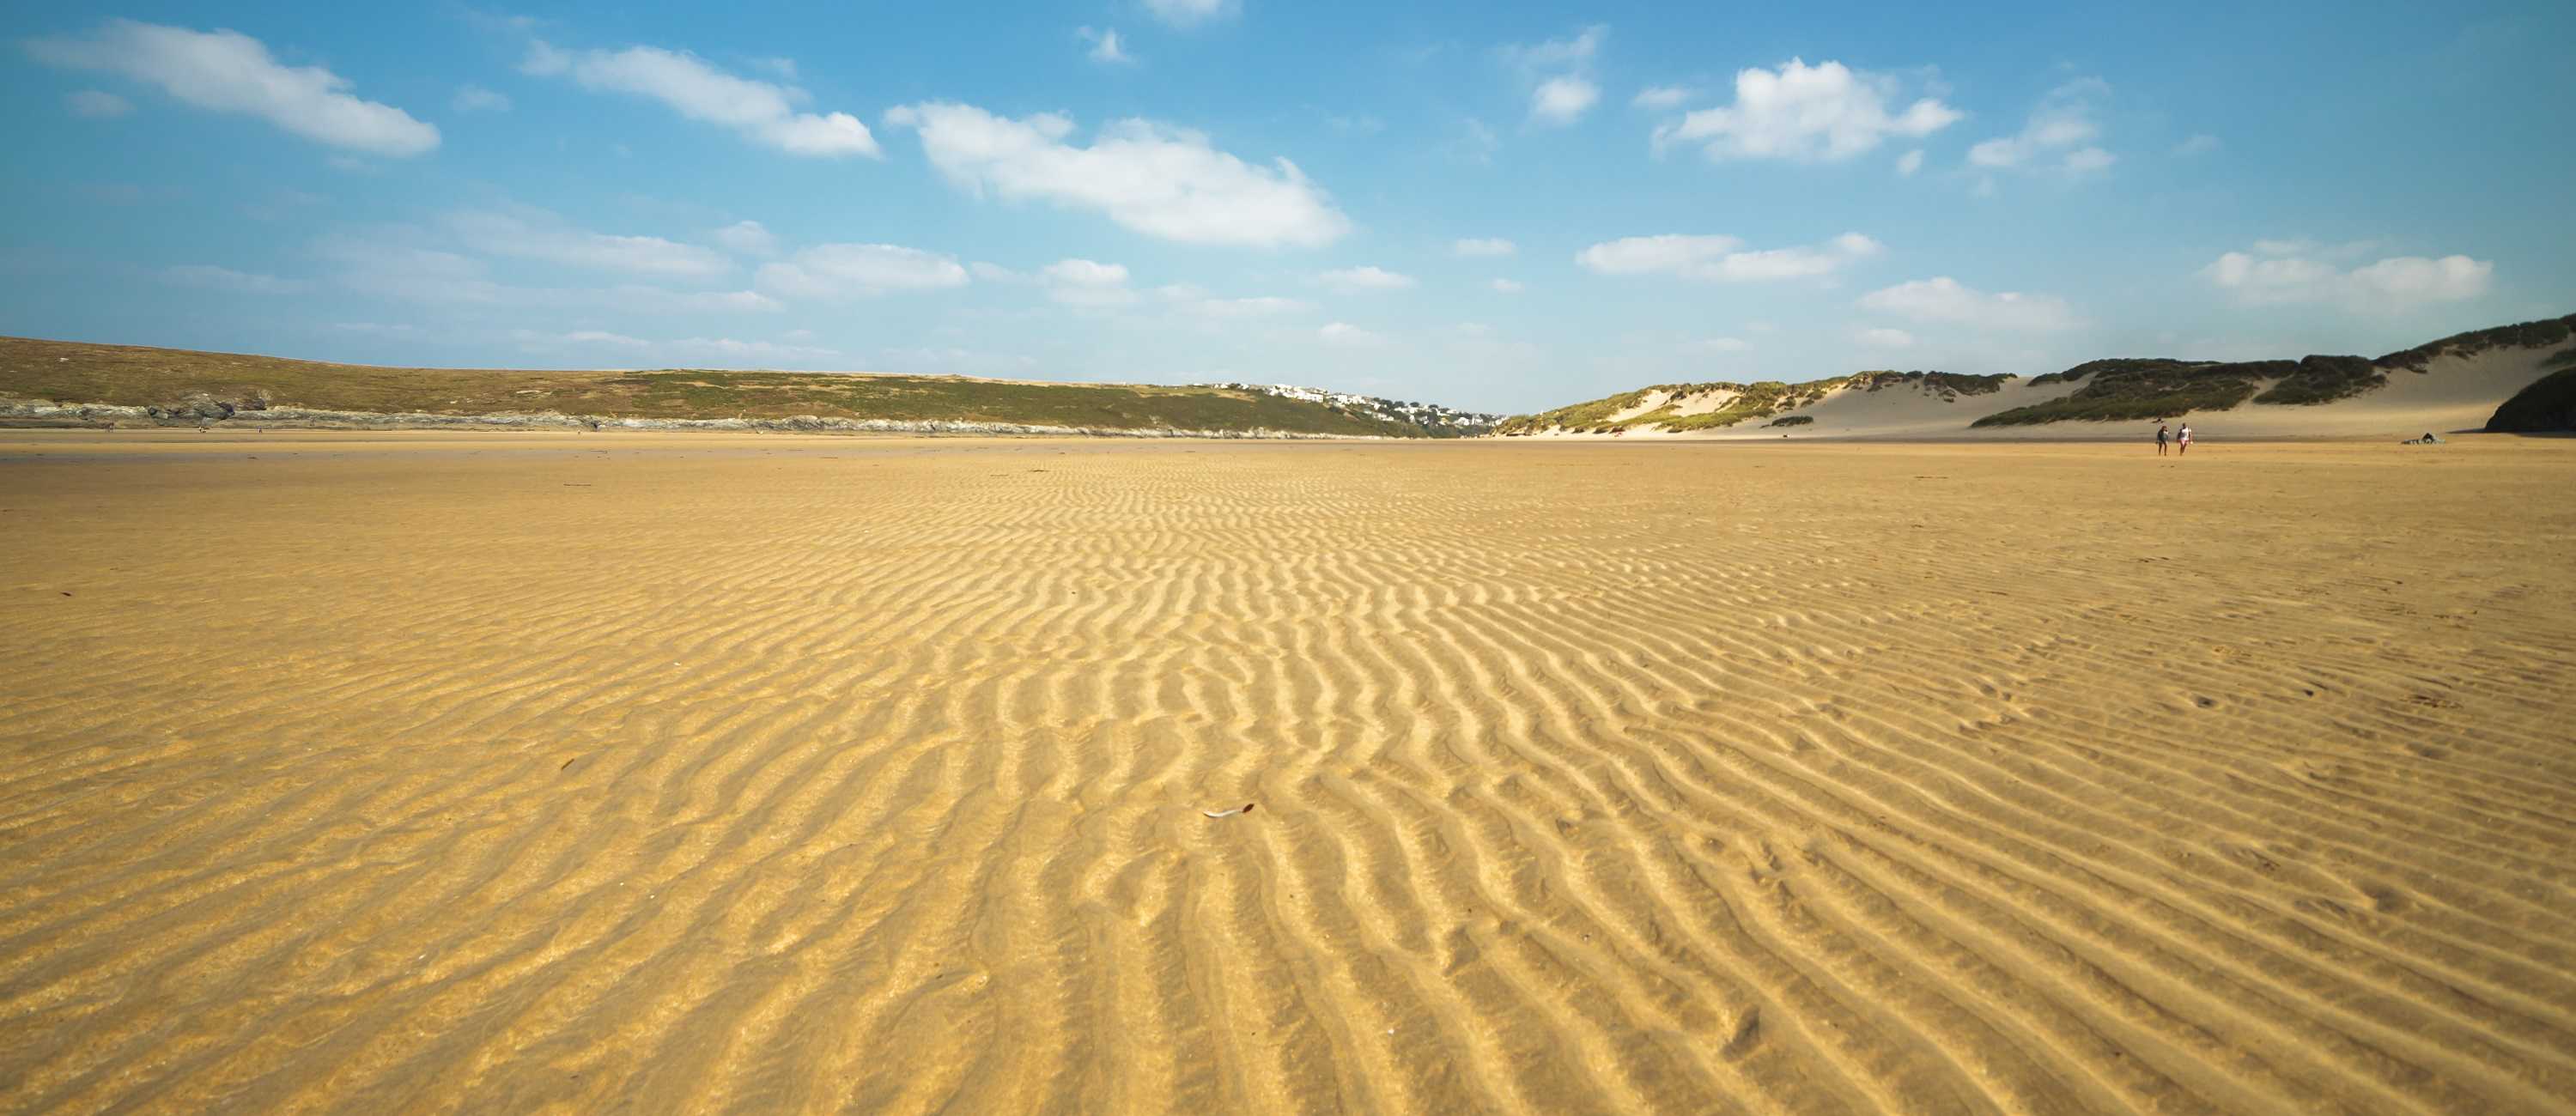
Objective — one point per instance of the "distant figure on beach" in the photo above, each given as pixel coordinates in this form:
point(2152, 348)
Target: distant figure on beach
point(2163, 434)
point(2182, 441)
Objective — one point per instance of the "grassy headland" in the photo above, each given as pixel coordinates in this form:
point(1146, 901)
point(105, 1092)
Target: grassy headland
point(135, 376)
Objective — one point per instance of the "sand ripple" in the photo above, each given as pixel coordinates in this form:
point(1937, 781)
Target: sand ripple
point(544, 773)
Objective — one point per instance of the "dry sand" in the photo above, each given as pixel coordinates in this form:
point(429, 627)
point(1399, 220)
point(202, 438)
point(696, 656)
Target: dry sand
point(520, 773)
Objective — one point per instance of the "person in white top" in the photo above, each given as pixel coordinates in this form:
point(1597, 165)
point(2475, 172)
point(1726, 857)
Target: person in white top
point(2182, 441)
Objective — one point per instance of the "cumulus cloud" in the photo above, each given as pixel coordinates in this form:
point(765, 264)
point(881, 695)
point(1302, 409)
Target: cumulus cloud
point(1348, 336)
point(1722, 258)
point(1189, 13)
point(2062, 129)
point(1909, 162)
point(213, 278)
point(1881, 337)
point(1354, 280)
point(858, 270)
point(1805, 113)
point(1106, 48)
point(1158, 180)
point(97, 104)
point(1475, 247)
point(2279, 273)
point(749, 238)
point(475, 98)
point(1562, 100)
point(759, 111)
point(227, 71)
point(535, 234)
point(1506, 286)
point(1947, 301)
point(1076, 282)
point(1561, 69)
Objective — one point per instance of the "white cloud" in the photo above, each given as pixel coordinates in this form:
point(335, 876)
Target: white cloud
point(1803, 113)
point(1663, 96)
point(1076, 282)
point(1559, 69)
point(392, 264)
point(1721, 257)
point(1189, 13)
point(227, 71)
point(749, 238)
point(1347, 335)
point(535, 234)
point(687, 348)
point(1562, 100)
point(1909, 162)
point(853, 270)
point(1158, 180)
point(761, 112)
point(2200, 143)
point(2396, 283)
point(1105, 46)
point(655, 300)
point(1353, 280)
point(2086, 159)
point(212, 278)
point(96, 104)
point(1948, 301)
point(780, 65)
point(1476, 247)
point(475, 98)
point(1554, 54)
point(2063, 123)
point(1506, 286)
point(408, 272)
point(1884, 338)
point(1193, 300)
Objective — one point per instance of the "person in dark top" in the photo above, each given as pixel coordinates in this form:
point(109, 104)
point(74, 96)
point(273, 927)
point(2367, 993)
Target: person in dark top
point(2162, 432)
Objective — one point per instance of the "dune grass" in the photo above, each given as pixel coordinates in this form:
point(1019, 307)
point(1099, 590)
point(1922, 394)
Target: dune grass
point(2547, 406)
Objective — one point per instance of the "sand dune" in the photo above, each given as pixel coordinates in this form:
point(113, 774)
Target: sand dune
point(2452, 392)
point(552, 773)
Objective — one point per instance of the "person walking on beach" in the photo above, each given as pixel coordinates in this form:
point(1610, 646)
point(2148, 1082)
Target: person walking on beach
point(2182, 442)
point(2163, 434)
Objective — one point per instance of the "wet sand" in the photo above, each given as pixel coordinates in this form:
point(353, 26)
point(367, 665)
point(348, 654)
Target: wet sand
point(526, 773)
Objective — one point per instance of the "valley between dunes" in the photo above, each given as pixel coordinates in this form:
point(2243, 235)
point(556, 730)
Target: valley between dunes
point(526, 773)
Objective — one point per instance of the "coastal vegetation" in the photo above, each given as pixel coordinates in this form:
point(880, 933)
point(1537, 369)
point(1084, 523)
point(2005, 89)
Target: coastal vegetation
point(202, 386)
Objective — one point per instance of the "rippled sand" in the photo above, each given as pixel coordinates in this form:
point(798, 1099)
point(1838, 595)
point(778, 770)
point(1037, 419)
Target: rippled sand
point(529, 772)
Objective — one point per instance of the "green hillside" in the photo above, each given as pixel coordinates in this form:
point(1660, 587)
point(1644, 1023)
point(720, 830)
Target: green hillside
point(126, 375)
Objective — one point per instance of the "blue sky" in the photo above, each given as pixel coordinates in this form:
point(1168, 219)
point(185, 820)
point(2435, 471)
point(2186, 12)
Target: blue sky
point(1503, 206)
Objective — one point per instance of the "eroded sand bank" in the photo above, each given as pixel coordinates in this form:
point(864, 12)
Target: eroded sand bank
point(537, 772)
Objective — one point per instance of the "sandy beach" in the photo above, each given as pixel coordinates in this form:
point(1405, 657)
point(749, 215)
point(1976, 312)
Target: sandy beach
point(553, 773)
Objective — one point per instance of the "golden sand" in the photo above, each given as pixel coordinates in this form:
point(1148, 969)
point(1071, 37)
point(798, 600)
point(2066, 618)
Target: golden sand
point(520, 773)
